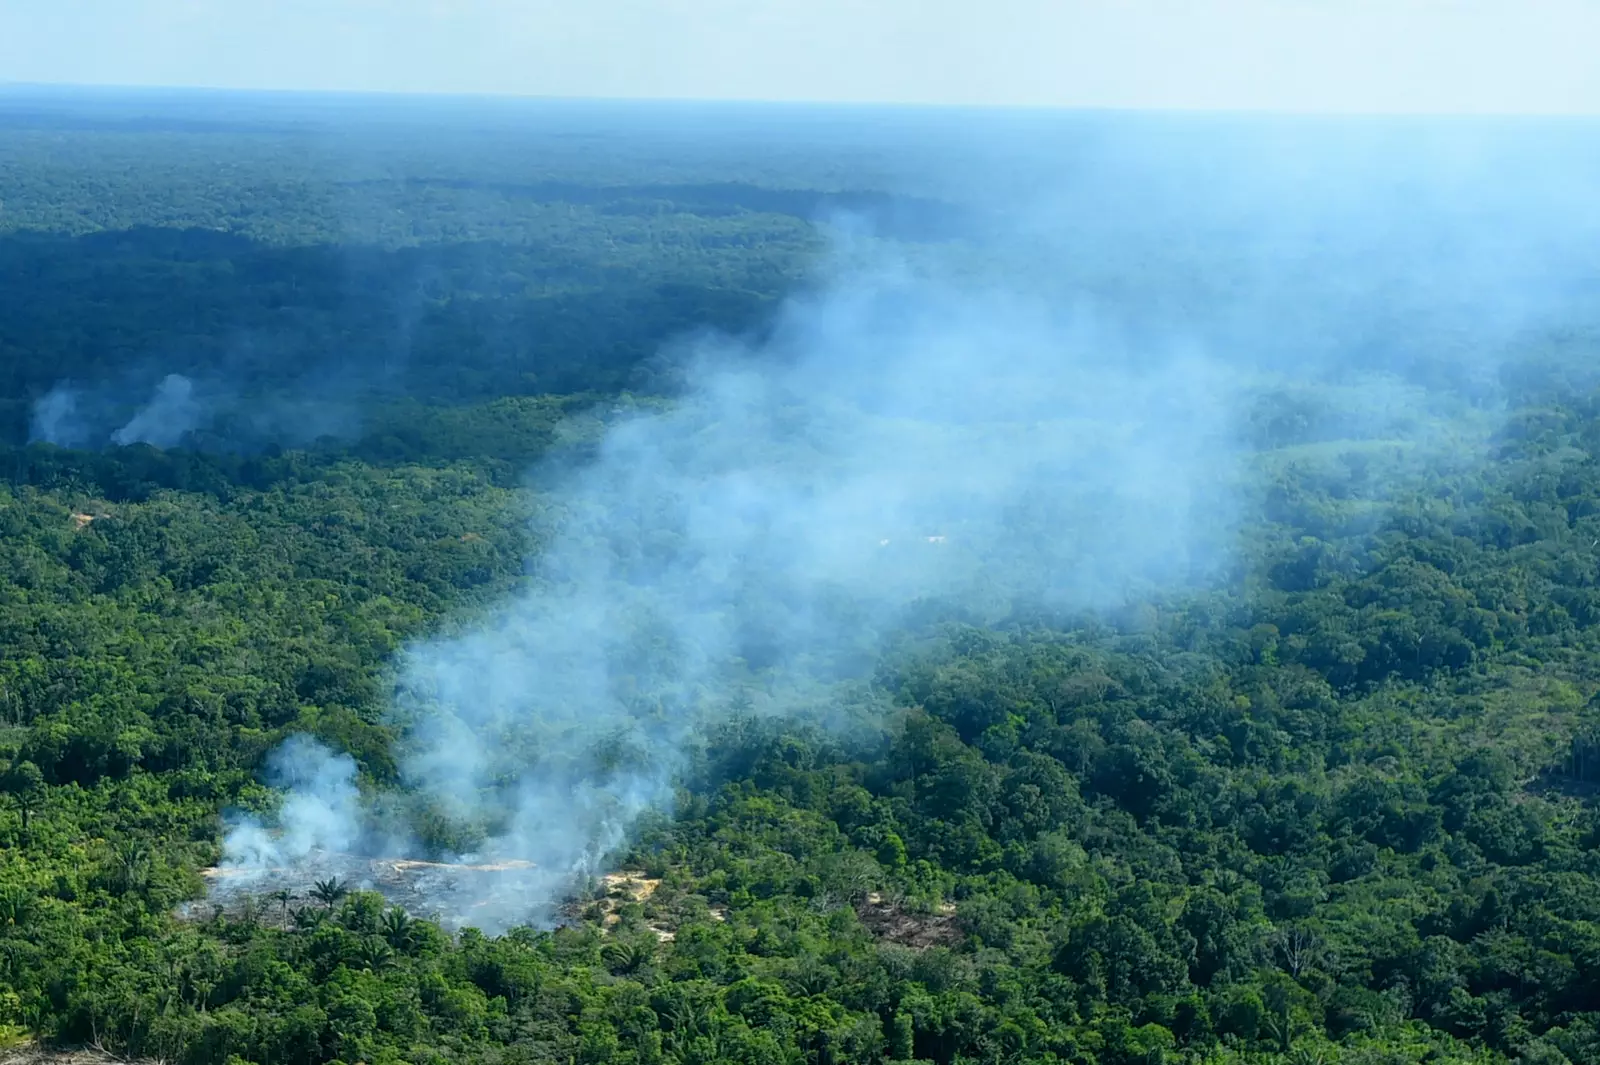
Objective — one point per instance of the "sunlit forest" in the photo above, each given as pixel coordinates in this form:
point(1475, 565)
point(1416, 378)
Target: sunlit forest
point(282, 384)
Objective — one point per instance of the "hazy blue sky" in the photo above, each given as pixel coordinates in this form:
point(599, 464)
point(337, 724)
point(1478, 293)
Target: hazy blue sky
point(1348, 55)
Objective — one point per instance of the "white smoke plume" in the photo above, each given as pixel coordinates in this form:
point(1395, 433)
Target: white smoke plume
point(912, 439)
point(57, 419)
point(321, 812)
point(898, 440)
point(173, 412)
point(210, 412)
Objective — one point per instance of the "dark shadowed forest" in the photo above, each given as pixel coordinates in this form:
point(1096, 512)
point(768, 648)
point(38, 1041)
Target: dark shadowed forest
point(292, 393)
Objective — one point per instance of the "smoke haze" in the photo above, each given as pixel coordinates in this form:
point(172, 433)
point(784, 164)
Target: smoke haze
point(56, 419)
point(172, 413)
point(897, 440)
point(949, 436)
point(321, 812)
point(71, 416)
point(182, 411)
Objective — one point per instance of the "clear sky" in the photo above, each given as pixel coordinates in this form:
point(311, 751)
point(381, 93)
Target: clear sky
point(1319, 55)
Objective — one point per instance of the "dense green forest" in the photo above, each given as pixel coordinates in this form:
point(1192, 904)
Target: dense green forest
point(1338, 808)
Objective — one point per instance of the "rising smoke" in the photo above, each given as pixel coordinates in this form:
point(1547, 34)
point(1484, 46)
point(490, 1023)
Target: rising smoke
point(897, 440)
point(905, 438)
point(179, 410)
point(321, 814)
point(57, 420)
point(71, 416)
point(173, 412)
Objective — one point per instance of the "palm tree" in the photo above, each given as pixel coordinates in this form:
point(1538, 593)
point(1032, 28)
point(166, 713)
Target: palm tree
point(305, 918)
point(399, 930)
point(25, 783)
point(375, 954)
point(624, 956)
point(330, 891)
point(810, 976)
point(133, 860)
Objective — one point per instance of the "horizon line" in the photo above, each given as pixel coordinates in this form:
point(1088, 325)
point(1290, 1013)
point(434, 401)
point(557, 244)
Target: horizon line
point(451, 95)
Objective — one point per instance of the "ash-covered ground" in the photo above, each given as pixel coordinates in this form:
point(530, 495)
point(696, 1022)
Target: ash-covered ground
point(450, 893)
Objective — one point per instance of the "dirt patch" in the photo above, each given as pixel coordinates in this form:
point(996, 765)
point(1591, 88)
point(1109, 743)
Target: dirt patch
point(628, 885)
point(621, 888)
point(891, 921)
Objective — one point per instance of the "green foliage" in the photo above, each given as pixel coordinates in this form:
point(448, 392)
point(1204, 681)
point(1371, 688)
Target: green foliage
point(1272, 826)
point(1341, 810)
